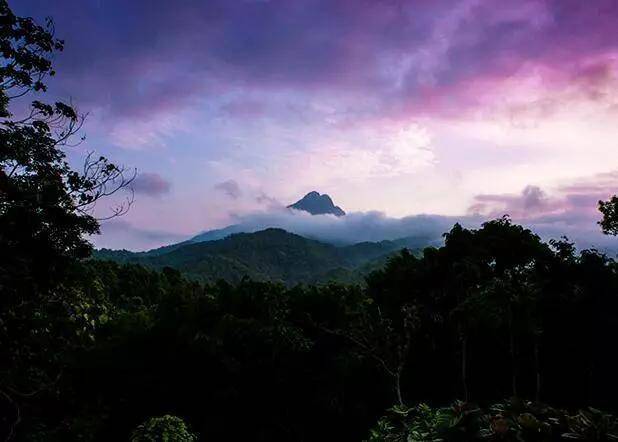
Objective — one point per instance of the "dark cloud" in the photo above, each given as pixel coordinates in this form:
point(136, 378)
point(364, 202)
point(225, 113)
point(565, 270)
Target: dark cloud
point(145, 56)
point(230, 188)
point(121, 234)
point(531, 201)
point(151, 184)
point(575, 201)
point(268, 202)
point(570, 210)
point(133, 60)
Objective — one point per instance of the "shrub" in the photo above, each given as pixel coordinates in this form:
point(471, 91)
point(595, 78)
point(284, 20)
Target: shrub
point(511, 420)
point(163, 429)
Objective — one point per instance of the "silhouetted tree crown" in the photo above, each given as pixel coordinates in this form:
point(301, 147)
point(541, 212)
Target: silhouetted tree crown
point(609, 210)
point(46, 213)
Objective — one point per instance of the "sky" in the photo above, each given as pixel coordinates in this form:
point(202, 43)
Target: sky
point(232, 109)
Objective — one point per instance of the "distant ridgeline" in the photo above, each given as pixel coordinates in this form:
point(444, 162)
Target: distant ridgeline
point(272, 254)
point(268, 255)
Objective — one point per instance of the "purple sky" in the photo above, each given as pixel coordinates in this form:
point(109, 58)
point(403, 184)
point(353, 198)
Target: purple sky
point(234, 107)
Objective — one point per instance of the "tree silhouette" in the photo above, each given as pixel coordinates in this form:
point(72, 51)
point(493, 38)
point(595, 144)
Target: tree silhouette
point(45, 209)
point(609, 222)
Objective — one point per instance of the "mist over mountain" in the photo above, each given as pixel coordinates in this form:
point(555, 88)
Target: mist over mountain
point(312, 243)
point(313, 218)
point(353, 228)
point(374, 226)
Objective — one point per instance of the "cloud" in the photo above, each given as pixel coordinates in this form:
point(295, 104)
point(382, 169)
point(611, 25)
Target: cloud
point(268, 202)
point(121, 234)
point(418, 56)
point(151, 184)
point(298, 94)
point(229, 188)
point(529, 203)
point(353, 227)
point(570, 202)
point(573, 215)
point(360, 153)
point(569, 209)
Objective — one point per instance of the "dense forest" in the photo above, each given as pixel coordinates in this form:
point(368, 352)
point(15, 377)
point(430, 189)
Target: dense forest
point(268, 255)
point(467, 341)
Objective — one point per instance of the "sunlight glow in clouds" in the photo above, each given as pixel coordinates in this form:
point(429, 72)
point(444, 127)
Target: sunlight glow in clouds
point(365, 153)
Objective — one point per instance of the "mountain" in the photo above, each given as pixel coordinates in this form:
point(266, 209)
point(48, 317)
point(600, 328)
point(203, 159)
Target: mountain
point(267, 255)
point(213, 235)
point(313, 202)
point(317, 204)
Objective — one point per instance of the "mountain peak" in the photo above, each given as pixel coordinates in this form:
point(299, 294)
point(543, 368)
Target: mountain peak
point(317, 204)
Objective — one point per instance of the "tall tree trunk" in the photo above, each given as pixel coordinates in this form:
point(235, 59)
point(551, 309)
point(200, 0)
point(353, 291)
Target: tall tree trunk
point(397, 379)
point(537, 367)
point(513, 361)
point(464, 362)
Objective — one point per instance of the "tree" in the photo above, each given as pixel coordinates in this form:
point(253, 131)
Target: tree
point(464, 273)
point(163, 429)
point(45, 206)
point(46, 210)
point(510, 302)
point(376, 332)
point(609, 209)
point(385, 327)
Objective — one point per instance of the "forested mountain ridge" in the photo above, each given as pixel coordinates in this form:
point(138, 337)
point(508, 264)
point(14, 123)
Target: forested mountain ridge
point(492, 313)
point(267, 255)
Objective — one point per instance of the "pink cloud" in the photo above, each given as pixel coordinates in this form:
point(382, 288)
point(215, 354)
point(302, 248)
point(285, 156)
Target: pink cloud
point(573, 203)
point(151, 184)
point(413, 58)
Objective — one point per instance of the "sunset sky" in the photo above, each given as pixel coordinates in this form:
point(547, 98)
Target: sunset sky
point(234, 107)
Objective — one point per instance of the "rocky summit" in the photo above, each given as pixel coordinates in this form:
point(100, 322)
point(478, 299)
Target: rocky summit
point(317, 204)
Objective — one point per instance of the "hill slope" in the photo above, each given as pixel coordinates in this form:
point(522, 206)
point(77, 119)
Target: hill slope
point(271, 254)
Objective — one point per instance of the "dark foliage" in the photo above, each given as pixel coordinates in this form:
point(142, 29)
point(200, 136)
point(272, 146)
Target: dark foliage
point(268, 255)
point(96, 350)
point(494, 312)
point(513, 420)
point(45, 214)
point(609, 210)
